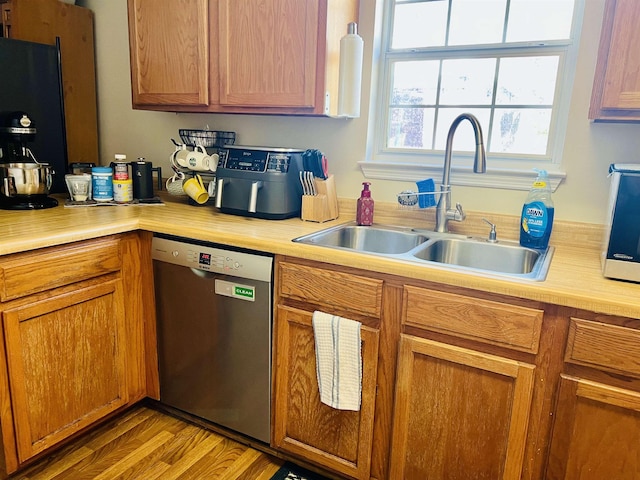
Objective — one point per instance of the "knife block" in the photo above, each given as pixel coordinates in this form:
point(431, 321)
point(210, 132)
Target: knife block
point(323, 206)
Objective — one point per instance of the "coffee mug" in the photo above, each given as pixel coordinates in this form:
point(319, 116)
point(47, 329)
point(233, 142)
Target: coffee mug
point(194, 187)
point(200, 161)
point(180, 156)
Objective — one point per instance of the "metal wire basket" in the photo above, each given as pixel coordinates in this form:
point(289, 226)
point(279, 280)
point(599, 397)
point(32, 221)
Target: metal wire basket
point(207, 138)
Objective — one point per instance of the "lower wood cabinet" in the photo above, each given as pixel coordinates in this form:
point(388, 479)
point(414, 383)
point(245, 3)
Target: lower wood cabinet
point(596, 434)
point(76, 340)
point(337, 439)
point(66, 363)
point(457, 384)
point(458, 414)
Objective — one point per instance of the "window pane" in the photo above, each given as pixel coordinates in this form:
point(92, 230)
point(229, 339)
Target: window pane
point(477, 21)
point(464, 139)
point(410, 127)
point(415, 83)
point(467, 81)
point(539, 20)
point(527, 81)
point(521, 131)
point(418, 25)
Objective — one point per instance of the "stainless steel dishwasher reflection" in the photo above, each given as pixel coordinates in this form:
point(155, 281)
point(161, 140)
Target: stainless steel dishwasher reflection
point(214, 333)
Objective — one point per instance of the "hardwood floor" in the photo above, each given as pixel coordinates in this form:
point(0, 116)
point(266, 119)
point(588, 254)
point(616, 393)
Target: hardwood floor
point(145, 444)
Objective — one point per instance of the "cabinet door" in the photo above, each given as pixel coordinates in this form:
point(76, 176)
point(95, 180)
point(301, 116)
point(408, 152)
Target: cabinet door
point(268, 52)
point(596, 433)
point(459, 414)
point(338, 439)
point(616, 90)
point(169, 42)
point(66, 367)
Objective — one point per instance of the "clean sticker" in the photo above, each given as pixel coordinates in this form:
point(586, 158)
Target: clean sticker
point(235, 290)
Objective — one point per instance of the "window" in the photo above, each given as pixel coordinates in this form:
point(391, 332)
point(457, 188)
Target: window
point(508, 62)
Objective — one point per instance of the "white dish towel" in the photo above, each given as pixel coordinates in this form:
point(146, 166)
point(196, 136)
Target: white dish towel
point(338, 360)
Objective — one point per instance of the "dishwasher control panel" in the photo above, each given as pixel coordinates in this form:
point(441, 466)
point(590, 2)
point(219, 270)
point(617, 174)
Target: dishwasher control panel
point(212, 259)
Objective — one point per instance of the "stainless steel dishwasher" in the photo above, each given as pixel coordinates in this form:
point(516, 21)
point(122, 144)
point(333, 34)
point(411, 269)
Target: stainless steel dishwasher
point(214, 332)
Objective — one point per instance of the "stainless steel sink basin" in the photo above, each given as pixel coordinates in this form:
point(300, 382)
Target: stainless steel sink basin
point(441, 250)
point(383, 240)
point(501, 257)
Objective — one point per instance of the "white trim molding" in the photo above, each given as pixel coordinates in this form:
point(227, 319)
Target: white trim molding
point(510, 179)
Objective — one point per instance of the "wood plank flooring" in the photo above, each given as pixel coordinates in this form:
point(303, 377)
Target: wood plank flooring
point(145, 444)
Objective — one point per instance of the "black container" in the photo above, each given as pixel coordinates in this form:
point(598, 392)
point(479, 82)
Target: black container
point(142, 178)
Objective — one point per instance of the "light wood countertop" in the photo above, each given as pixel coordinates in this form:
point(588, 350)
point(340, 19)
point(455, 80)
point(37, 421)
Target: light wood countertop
point(574, 279)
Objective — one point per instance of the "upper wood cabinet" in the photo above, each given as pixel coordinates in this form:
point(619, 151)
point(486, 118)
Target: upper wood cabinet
point(616, 87)
point(41, 21)
point(169, 52)
point(237, 56)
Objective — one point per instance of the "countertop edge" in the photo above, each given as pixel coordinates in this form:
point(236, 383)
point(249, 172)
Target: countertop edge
point(574, 280)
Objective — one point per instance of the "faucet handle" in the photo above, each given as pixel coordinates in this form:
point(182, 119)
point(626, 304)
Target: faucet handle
point(492, 234)
point(458, 214)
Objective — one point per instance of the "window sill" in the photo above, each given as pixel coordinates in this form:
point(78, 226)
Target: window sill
point(509, 179)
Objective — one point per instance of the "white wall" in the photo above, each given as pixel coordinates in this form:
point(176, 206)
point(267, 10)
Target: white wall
point(589, 148)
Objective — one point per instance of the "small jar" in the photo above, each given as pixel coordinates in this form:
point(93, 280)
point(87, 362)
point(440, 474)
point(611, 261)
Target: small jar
point(102, 184)
point(120, 167)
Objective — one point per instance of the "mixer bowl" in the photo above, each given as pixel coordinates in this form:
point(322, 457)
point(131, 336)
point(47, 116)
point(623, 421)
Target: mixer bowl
point(18, 179)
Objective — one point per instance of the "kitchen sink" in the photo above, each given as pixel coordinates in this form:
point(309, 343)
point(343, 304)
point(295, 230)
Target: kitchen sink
point(374, 239)
point(503, 258)
point(500, 257)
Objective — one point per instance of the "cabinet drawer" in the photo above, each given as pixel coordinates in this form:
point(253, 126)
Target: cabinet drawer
point(604, 346)
point(491, 322)
point(28, 273)
point(328, 287)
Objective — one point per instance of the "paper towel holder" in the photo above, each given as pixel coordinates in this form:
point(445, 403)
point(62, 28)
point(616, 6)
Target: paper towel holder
point(350, 73)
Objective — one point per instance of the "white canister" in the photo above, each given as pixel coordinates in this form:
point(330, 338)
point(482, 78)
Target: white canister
point(123, 191)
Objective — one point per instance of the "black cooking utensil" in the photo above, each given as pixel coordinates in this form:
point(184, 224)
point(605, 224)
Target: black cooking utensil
point(315, 161)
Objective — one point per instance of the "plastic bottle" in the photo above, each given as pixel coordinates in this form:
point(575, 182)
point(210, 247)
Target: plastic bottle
point(536, 221)
point(364, 210)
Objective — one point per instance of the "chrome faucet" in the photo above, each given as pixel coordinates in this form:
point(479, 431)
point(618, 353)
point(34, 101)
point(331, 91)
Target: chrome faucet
point(444, 212)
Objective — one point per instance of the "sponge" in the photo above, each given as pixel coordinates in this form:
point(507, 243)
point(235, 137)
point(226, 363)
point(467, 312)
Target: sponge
point(425, 187)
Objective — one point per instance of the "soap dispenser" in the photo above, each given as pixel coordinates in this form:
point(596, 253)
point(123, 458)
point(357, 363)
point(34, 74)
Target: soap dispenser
point(536, 220)
point(364, 210)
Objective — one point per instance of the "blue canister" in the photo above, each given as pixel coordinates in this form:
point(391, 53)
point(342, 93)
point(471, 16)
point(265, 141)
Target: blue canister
point(102, 184)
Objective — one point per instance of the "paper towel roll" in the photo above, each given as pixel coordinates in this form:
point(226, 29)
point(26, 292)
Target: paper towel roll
point(350, 76)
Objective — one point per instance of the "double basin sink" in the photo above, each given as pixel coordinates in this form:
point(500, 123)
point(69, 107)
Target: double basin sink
point(503, 258)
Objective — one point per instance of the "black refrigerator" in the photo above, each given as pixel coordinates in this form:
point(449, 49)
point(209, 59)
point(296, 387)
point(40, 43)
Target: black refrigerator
point(31, 81)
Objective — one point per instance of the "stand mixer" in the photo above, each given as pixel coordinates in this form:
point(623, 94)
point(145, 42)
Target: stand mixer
point(24, 182)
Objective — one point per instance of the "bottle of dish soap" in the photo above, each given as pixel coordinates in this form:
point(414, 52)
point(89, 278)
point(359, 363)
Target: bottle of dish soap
point(364, 210)
point(536, 221)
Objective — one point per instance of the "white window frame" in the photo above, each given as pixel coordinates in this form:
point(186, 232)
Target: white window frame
point(507, 172)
